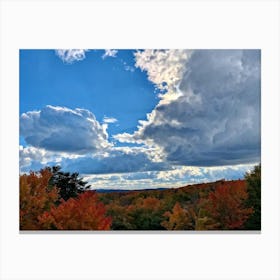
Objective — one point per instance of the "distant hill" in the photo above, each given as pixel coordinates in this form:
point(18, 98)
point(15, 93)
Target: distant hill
point(126, 190)
point(193, 189)
point(162, 189)
point(205, 206)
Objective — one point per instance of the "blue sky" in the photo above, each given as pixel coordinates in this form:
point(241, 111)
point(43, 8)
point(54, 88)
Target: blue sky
point(141, 118)
point(97, 84)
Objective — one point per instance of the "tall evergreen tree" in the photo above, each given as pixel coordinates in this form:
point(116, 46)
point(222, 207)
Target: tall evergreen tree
point(68, 184)
point(253, 180)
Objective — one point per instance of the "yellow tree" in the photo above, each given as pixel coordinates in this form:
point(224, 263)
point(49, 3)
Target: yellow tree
point(178, 219)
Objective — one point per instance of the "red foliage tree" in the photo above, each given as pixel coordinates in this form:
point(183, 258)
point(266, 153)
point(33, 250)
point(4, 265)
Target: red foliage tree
point(81, 213)
point(226, 205)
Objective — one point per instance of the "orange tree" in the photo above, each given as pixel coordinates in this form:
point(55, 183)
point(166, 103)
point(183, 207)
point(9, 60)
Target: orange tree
point(82, 213)
point(36, 197)
point(178, 219)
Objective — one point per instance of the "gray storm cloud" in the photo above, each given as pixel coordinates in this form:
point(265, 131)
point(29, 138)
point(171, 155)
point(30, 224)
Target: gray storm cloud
point(214, 117)
point(117, 161)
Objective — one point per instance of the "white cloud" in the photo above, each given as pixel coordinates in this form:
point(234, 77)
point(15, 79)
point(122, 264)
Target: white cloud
point(109, 53)
point(180, 172)
point(34, 158)
point(62, 129)
point(71, 55)
point(109, 120)
point(127, 138)
point(210, 113)
point(108, 161)
point(127, 168)
point(165, 68)
point(29, 155)
point(190, 174)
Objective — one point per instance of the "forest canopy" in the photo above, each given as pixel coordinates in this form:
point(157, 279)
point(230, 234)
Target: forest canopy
point(54, 200)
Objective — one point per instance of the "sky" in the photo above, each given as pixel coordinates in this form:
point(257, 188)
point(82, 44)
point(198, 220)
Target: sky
point(138, 119)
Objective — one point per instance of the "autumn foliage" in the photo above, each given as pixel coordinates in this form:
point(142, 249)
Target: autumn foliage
point(178, 219)
point(41, 209)
point(35, 198)
point(83, 213)
point(220, 205)
point(226, 205)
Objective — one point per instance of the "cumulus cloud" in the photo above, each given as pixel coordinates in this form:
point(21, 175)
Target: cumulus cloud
point(165, 68)
point(32, 158)
point(62, 129)
point(28, 156)
point(109, 53)
point(71, 55)
point(110, 161)
point(210, 112)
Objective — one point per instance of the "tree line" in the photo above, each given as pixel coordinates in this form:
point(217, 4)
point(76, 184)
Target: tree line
point(51, 199)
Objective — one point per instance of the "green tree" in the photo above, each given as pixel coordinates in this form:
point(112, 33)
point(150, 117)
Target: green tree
point(253, 181)
point(146, 214)
point(68, 184)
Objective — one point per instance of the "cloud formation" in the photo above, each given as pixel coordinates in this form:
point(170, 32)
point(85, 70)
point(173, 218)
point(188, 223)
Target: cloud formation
point(109, 120)
point(100, 173)
point(208, 115)
point(177, 177)
point(31, 158)
point(116, 160)
point(165, 68)
point(112, 161)
point(65, 130)
point(109, 53)
point(210, 112)
point(71, 55)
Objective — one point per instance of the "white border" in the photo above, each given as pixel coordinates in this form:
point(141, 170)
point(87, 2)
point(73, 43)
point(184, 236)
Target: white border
point(146, 24)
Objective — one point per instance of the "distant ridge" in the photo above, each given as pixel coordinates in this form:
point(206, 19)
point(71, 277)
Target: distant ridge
point(127, 190)
point(220, 181)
